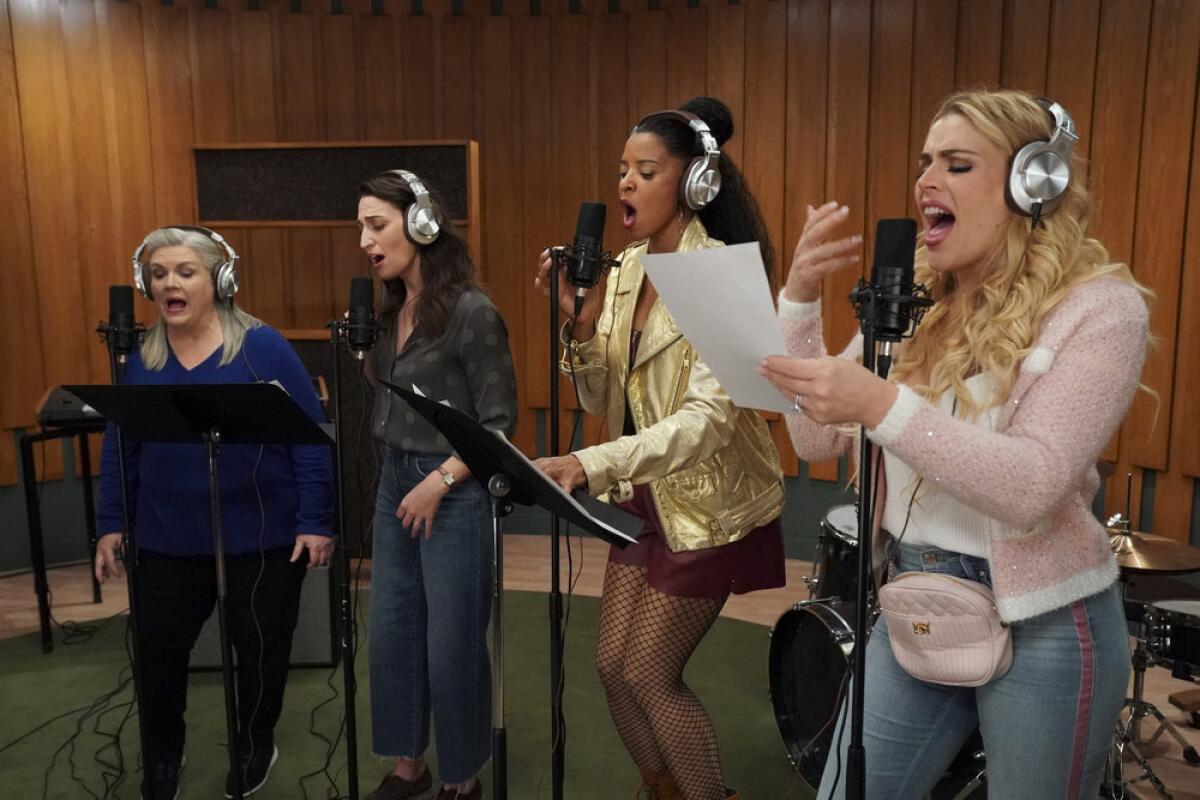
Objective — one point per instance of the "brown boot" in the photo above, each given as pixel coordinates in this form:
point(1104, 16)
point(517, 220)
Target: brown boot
point(658, 786)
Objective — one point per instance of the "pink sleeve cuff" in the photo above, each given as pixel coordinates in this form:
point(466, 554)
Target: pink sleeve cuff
point(889, 431)
point(798, 312)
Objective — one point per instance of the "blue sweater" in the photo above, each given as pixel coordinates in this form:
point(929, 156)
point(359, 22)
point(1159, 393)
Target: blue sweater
point(168, 483)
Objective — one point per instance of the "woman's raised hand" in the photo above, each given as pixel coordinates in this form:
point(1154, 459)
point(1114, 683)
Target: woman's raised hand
point(818, 254)
point(585, 323)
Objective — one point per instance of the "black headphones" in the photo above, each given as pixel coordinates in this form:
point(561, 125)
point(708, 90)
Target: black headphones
point(1041, 171)
point(225, 277)
point(702, 179)
point(422, 223)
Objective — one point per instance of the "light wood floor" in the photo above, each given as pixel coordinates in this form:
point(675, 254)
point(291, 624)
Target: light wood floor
point(527, 568)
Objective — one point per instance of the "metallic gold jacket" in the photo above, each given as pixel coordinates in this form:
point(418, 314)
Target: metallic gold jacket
point(712, 467)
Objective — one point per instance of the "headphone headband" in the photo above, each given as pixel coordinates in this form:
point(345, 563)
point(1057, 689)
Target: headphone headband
point(225, 277)
point(423, 223)
point(702, 179)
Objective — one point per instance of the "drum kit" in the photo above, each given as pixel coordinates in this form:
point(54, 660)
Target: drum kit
point(812, 645)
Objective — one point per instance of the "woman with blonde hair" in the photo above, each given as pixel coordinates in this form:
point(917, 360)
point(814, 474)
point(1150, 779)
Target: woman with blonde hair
point(276, 508)
point(990, 427)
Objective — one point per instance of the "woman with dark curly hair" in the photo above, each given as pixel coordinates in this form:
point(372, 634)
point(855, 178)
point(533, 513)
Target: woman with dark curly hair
point(702, 473)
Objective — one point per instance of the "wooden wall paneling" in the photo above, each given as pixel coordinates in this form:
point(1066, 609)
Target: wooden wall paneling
point(610, 72)
point(1185, 431)
point(45, 98)
point(574, 152)
point(888, 155)
point(381, 70)
point(535, 126)
point(1025, 45)
point(346, 261)
point(91, 133)
point(980, 28)
point(456, 119)
point(308, 277)
point(8, 441)
point(1158, 234)
point(166, 33)
point(341, 85)
point(506, 269)
point(1072, 63)
point(254, 76)
point(806, 146)
point(726, 67)
point(647, 63)
point(932, 74)
point(299, 79)
point(764, 141)
point(687, 44)
point(213, 110)
point(20, 355)
point(418, 62)
point(266, 268)
point(846, 169)
point(1123, 41)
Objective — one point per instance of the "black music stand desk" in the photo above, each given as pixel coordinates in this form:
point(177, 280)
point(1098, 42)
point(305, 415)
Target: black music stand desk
point(510, 478)
point(213, 415)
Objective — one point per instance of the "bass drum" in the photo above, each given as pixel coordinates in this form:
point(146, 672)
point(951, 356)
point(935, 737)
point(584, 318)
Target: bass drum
point(809, 667)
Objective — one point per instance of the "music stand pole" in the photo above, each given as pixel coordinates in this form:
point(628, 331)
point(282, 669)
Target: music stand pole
point(498, 487)
point(129, 555)
point(856, 766)
point(349, 633)
point(212, 442)
point(557, 721)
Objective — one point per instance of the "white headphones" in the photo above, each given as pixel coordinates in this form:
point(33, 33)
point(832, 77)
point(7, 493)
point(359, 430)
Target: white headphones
point(225, 277)
point(1041, 170)
point(422, 223)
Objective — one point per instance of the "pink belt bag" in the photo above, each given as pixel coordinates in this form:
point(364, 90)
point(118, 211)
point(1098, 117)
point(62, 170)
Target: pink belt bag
point(944, 629)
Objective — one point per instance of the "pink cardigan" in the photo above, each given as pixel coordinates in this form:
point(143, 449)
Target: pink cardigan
point(1035, 475)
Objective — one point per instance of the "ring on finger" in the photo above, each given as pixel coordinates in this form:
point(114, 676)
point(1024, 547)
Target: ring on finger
point(797, 405)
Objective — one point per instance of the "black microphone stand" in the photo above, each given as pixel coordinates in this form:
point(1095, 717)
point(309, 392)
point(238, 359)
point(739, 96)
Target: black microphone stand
point(116, 368)
point(558, 732)
point(348, 639)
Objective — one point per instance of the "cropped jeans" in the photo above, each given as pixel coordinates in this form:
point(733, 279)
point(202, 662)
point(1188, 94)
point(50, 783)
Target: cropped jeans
point(1047, 723)
point(430, 605)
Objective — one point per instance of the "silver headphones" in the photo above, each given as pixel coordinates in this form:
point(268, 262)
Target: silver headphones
point(1041, 171)
point(225, 277)
point(702, 179)
point(422, 222)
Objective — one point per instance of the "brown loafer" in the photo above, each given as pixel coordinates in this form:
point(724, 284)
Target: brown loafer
point(393, 787)
point(451, 793)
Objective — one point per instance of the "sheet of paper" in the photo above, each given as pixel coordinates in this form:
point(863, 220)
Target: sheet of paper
point(722, 303)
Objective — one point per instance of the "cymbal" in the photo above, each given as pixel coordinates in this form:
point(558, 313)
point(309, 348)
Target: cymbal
point(1146, 553)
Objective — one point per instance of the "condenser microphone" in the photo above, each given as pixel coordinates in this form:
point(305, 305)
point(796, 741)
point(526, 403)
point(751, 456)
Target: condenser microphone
point(892, 277)
point(121, 332)
point(586, 257)
point(362, 331)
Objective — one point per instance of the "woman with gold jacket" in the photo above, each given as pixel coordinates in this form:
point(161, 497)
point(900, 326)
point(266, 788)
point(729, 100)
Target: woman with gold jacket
point(702, 473)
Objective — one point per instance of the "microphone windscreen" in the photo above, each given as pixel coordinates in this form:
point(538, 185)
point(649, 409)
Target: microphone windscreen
point(895, 243)
point(120, 301)
point(591, 220)
point(362, 292)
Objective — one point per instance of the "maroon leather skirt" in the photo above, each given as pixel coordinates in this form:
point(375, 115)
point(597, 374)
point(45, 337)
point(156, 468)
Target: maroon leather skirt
point(753, 562)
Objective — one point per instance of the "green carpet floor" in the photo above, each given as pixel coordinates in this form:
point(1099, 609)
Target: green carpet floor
point(728, 672)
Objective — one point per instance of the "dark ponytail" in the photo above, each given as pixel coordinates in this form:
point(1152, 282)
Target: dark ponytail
point(733, 217)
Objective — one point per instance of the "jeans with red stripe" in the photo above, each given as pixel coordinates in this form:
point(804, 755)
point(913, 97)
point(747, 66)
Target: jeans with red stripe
point(1047, 724)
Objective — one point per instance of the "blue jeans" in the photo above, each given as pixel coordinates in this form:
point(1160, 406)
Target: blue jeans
point(1046, 724)
point(430, 605)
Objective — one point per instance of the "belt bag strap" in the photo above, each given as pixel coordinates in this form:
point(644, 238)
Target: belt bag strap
point(945, 630)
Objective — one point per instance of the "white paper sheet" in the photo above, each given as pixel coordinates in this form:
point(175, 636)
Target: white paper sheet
point(722, 303)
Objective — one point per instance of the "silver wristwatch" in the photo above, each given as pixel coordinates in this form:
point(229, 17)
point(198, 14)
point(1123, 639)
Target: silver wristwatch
point(447, 477)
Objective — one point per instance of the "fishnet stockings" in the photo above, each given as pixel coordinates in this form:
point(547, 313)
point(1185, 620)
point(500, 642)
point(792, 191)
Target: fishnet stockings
point(646, 638)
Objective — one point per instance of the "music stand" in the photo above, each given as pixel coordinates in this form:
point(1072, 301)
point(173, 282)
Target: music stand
point(213, 414)
point(510, 478)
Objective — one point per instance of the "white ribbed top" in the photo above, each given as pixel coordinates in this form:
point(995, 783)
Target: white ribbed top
point(938, 519)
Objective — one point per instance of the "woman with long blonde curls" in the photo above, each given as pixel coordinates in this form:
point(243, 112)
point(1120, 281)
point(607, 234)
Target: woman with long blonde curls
point(989, 429)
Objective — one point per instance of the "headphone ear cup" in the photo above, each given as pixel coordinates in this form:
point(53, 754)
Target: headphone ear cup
point(1039, 175)
point(225, 281)
point(421, 224)
point(701, 184)
point(143, 281)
